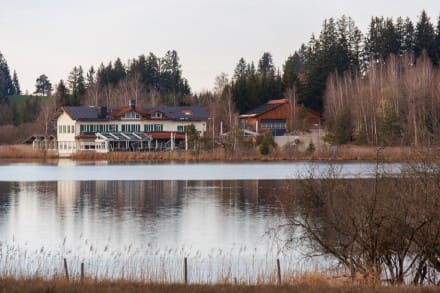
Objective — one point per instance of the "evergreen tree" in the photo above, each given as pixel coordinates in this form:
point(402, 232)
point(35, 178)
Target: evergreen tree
point(119, 72)
point(171, 80)
point(384, 38)
point(390, 39)
point(151, 74)
point(62, 95)
point(43, 85)
point(291, 69)
point(265, 65)
point(437, 39)
point(6, 85)
point(409, 37)
point(425, 38)
point(77, 85)
point(241, 69)
point(16, 84)
point(90, 77)
point(405, 35)
point(251, 88)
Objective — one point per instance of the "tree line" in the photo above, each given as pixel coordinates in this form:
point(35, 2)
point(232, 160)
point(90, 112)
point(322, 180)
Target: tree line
point(339, 52)
point(340, 47)
point(9, 85)
point(147, 79)
point(395, 99)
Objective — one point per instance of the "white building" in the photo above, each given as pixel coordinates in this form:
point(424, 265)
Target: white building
point(125, 128)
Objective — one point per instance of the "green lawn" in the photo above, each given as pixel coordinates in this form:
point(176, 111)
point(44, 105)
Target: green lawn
point(21, 98)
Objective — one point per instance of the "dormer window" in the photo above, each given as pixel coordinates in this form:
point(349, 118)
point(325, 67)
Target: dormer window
point(131, 115)
point(156, 115)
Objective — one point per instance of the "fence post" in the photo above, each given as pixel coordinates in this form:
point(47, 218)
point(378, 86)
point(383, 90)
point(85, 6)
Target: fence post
point(66, 271)
point(279, 272)
point(82, 272)
point(185, 270)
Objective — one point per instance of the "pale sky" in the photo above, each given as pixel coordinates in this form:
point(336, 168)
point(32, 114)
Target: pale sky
point(52, 36)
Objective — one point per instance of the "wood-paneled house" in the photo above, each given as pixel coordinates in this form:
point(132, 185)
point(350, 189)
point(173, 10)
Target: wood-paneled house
point(277, 117)
point(131, 128)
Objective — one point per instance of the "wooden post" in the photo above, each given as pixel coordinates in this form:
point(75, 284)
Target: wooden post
point(82, 272)
point(279, 272)
point(66, 271)
point(185, 270)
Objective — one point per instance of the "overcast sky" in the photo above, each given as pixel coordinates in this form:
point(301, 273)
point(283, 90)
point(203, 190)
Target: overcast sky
point(52, 36)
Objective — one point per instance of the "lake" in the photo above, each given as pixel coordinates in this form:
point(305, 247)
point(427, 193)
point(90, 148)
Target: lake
point(140, 220)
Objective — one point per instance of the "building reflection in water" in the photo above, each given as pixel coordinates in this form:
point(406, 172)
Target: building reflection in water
point(202, 214)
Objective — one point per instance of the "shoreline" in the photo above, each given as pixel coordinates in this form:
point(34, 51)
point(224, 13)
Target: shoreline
point(25, 153)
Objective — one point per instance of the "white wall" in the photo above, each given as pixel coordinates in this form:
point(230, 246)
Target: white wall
point(68, 129)
point(66, 132)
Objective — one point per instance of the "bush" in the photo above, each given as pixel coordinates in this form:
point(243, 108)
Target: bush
point(266, 142)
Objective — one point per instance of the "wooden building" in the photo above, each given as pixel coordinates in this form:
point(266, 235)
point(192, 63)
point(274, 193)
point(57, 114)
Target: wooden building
point(278, 117)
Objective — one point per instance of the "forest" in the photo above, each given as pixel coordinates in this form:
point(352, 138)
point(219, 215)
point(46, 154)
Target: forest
point(376, 88)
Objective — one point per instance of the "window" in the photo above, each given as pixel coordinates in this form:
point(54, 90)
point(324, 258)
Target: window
point(153, 128)
point(60, 129)
point(181, 128)
point(131, 115)
point(156, 115)
point(273, 124)
point(64, 128)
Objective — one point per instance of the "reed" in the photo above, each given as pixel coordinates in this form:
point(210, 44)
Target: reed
point(324, 153)
point(90, 285)
point(341, 153)
point(24, 152)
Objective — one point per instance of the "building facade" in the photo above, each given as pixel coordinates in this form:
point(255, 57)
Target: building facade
point(131, 128)
point(278, 117)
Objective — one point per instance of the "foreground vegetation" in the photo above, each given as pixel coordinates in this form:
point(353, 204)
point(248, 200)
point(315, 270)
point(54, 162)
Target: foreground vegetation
point(304, 285)
point(342, 153)
point(385, 228)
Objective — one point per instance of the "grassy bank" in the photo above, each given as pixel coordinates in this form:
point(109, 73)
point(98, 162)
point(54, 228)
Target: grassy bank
point(346, 153)
point(24, 152)
point(342, 153)
point(38, 285)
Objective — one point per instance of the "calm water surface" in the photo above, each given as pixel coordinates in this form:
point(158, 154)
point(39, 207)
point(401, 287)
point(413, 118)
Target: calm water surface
point(139, 221)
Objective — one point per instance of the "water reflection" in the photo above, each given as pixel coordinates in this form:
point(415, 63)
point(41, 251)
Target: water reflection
point(200, 214)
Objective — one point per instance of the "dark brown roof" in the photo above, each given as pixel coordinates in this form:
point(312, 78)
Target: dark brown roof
point(270, 105)
point(185, 113)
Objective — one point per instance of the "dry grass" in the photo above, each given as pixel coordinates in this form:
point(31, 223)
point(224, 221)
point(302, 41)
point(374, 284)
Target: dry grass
point(24, 152)
point(342, 153)
point(307, 285)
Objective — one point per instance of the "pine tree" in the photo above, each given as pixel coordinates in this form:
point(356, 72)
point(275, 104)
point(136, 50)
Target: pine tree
point(437, 39)
point(16, 84)
point(151, 75)
point(43, 85)
point(425, 38)
point(90, 77)
point(240, 69)
point(291, 69)
point(265, 65)
point(119, 72)
point(390, 39)
point(62, 95)
point(6, 86)
point(77, 85)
